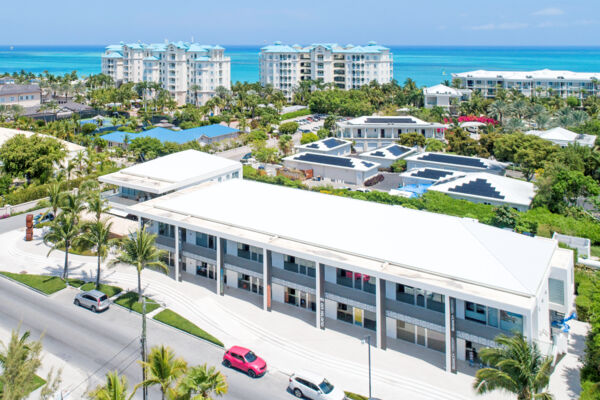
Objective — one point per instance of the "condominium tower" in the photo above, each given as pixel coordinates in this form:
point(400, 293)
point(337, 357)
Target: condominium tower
point(348, 67)
point(542, 83)
point(189, 71)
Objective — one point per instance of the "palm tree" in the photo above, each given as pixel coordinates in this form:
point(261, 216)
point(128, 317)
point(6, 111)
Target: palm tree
point(202, 382)
point(139, 250)
point(498, 110)
point(516, 367)
point(64, 233)
point(115, 388)
point(97, 205)
point(285, 144)
point(73, 204)
point(97, 234)
point(55, 197)
point(162, 369)
point(20, 358)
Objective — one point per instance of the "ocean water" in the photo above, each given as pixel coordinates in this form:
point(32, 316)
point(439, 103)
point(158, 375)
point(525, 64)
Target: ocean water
point(427, 65)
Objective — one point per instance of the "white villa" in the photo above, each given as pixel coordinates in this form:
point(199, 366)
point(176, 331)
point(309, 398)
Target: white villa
point(564, 137)
point(348, 67)
point(189, 71)
point(442, 96)
point(543, 82)
point(372, 132)
point(446, 284)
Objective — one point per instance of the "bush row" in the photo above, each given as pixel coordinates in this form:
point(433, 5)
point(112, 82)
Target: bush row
point(295, 114)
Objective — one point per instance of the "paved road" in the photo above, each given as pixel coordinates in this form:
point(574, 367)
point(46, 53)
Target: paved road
point(18, 221)
point(98, 343)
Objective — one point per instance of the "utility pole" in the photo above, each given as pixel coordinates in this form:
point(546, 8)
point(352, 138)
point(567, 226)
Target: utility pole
point(368, 340)
point(143, 342)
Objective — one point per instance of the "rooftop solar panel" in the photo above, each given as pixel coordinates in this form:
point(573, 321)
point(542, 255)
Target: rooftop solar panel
point(377, 154)
point(368, 164)
point(398, 150)
point(313, 146)
point(331, 142)
point(478, 187)
point(325, 159)
point(450, 159)
point(383, 120)
point(430, 174)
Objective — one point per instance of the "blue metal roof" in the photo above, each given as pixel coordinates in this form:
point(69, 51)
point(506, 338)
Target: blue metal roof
point(167, 135)
point(112, 55)
point(278, 47)
point(163, 46)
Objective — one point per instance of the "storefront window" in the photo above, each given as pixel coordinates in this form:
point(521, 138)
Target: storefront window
point(436, 340)
point(370, 320)
point(204, 240)
point(166, 230)
point(492, 316)
point(475, 312)
point(344, 313)
point(511, 322)
point(435, 302)
point(405, 331)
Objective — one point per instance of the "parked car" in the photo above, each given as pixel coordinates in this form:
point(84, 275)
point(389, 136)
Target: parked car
point(41, 218)
point(246, 158)
point(245, 360)
point(95, 300)
point(315, 387)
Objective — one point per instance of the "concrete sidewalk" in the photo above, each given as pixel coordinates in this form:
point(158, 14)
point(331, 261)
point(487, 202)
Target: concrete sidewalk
point(288, 341)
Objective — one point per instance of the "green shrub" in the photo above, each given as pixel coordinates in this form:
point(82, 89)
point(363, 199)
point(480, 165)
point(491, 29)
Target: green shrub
point(177, 321)
point(130, 300)
point(288, 128)
point(109, 290)
point(308, 137)
point(295, 114)
point(88, 128)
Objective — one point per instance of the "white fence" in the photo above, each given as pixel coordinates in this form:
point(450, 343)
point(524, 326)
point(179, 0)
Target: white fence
point(583, 245)
point(19, 208)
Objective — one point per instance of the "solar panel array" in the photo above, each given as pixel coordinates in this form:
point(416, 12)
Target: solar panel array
point(377, 154)
point(430, 174)
point(398, 150)
point(325, 159)
point(367, 164)
point(331, 142)
point(383, 120)
point(448, 159)
point(478, 187)
point(313, 146)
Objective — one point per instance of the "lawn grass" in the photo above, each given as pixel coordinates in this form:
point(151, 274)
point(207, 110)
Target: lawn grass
point(109, 290)
point(354, 396)
point(595, 251)
point(175, 320)
point(44, 283)
point(130, 300)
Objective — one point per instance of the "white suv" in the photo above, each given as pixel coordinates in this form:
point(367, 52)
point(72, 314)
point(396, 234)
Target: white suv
point(314, 387)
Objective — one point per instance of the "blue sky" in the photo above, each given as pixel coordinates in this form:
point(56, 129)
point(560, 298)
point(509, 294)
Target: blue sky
point(391, 22)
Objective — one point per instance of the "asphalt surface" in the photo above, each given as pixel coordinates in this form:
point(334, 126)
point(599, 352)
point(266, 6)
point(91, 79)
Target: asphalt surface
point(108, 341)
point(18, 221)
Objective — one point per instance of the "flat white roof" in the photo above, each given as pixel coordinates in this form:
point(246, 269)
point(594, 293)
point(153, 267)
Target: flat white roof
point(172, 172)
point(327, 144)
point(389, 152)
point(401, 239)
point(406, 121)
point(332, 161)
point(487, 187)
point(444, 90)
point(560, 134)
point(541, 74)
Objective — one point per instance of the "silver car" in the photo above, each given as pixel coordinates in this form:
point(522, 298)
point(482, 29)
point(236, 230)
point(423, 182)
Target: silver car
point(95, 300)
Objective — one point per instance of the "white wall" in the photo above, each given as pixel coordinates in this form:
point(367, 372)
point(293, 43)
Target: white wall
point(460, 309)
point(461, 347)
point(330, 309)
point(232, 278)
point(390, 327)
point(277, 260)
point(190, 236)
point(277, 293)
point(231, 247)
point(390, 290)
point(330, 274)
point(190, 266)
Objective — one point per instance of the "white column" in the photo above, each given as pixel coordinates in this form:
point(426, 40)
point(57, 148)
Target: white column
point(176, 254)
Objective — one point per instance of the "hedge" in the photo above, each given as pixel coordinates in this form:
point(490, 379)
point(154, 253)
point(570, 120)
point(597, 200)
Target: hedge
point(295, 114)
point(587, 287)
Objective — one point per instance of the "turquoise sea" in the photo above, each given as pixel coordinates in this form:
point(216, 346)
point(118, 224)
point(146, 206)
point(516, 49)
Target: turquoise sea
point(427, 65)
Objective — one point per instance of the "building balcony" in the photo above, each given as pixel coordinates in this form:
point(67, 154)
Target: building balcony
point(293, 277)
point(413, 311)
point(166, 241)
point(350, 293)
point(204, 252)
point(477, 329)
point(244, 263)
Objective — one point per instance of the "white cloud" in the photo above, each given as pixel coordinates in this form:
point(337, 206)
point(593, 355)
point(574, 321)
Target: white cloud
point(549, 11)
point(505, 26)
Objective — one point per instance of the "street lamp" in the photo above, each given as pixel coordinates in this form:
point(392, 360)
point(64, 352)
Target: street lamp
point(368, 340)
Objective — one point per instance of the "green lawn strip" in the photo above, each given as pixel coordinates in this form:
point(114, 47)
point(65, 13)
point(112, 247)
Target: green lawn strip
point(130, 300)
point(43, 283)
point(595, 251)
point(354, 396)
point(109, 290)
point(177, 321)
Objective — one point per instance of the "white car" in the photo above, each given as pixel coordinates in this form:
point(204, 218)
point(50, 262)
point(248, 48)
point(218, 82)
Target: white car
point(315, 387)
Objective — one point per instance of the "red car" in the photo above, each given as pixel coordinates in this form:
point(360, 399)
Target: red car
point(245, 360)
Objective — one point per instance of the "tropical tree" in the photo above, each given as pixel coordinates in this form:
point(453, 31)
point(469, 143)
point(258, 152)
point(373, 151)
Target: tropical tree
point(20, 359)
point(55, 197)
point(139, 250)
point(115, 388)
point(73, 204)
point(63, 234)
point(285, 144)
point(517, 367)
point(498, 110)
point(97, 205)
point(162, 369)
point(97, 234)
point(201, 383)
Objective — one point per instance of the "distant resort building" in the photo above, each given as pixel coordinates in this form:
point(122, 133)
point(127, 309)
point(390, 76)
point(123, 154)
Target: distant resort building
point(331, 146)
point(386, 156)
point(543, 82)
point(204, 135)
point(372, 132)
point(453, 162)
point(564, 137)
point(22, 95)
point(190, 72)
point(349, 170)
point(442, 96)
point(482, 187)
point(347, 67)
